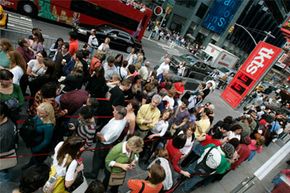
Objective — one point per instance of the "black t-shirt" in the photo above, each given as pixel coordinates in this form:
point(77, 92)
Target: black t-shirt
point(117, 96)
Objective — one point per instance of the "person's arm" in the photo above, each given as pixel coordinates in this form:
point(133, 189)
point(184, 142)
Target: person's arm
point(163, 129)
point(29, 68)
point(19, 95)
point(52, 49)
point(47, 132)
point(72, 173)
point(132, 124)
point(155, 119)
point(113, 155)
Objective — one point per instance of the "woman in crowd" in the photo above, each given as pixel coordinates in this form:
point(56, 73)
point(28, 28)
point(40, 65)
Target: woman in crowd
point(23, 49)
point(156, 175)
point(66, 163)
point(55, 47)
point(8, 136)
point(37, 43)
point(118, 60)
point(121, 158)
point(74, 80)
point(10, 93)
point(97, 86)
point(36, 67)
point(105, 47)
point(44, 123)
point(5, 47)
point(17, 66)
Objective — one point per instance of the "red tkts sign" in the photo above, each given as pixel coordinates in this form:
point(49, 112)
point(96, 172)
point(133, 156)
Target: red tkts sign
point(253, 69)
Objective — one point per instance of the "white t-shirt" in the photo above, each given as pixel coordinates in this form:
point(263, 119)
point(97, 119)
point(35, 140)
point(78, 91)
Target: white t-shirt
point(93, 41)
point(188, 146)
point(17, 74)
point(232, 135)
point(163, 68)
point(132, 59)
point(170, 101)
point(69, 173)
point(160, 128)
point(112, 130)
point(36, 69)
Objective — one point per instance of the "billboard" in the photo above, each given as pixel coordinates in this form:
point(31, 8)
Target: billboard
point(253, 69)
point(220, 15)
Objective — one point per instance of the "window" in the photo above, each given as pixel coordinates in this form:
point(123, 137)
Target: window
point(201, 10)
point(186, 3)
point(101, 13)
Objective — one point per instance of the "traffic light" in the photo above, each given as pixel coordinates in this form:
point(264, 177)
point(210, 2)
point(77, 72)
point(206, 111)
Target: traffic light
point(231, 29)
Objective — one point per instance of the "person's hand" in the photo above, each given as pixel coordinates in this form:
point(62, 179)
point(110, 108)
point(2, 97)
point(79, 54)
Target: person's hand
point(100, 137)
point(151, 136)
point(185, 173)
point(80, 168)
point(126, 167)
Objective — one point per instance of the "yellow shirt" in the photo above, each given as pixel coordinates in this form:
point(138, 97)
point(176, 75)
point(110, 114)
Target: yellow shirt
point(147, 113)
point(203, 127)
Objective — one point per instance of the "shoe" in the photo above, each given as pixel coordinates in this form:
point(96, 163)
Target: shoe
point(90, 175)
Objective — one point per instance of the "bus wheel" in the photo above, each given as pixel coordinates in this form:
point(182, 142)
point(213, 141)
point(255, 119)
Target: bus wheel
point(27, 8)
point(128, 49)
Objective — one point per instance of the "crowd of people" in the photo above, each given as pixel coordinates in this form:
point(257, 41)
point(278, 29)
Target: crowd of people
point(86, 99)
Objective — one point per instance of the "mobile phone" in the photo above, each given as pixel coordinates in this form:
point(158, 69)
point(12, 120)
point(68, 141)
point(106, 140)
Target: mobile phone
point(52, 179)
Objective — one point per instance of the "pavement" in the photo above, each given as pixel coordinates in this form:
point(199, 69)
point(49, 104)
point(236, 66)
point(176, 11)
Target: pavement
point(154, 50)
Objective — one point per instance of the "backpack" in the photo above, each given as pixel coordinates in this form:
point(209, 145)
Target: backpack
point(27, 132)
point(202, 166)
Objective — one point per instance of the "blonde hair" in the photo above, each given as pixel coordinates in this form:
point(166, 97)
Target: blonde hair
point(135, 143)
point(48, 108)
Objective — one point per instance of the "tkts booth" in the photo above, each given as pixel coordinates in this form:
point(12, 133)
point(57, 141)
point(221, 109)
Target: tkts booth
point(251, 72)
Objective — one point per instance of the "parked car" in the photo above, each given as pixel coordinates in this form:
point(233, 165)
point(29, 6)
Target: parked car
point(120, 40)
point(192, 65)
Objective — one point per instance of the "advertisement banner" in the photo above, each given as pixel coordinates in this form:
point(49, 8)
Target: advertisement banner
point(250, 73)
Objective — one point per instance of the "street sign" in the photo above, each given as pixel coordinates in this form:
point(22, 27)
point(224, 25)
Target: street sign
point(250, 73)
point(158, 10)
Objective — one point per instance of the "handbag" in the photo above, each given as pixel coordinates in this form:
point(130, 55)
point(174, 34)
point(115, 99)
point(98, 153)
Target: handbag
point(81, 187)
point(78, 181)
point(117, 179)
point(8, 162)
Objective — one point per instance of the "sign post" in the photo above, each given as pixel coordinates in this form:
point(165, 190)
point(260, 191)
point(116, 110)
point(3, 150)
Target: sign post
point(250, 73)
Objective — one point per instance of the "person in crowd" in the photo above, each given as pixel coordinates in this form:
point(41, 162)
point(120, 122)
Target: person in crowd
point(96, 62)
point(203, 123)
point(220, 159)
point(66, 163)
point(235, 132)
point(256, 145)
point(3, 18)
point(156, 175)
point(132, 108)
point(110, 68)
point(189, 132)
point(108, 135)
point(10, 93)
point(164, 67)
point(117, 96)
point(23, 49)
point(62, 57)
point(97, 86)
point(132, 57)
point(180, 118)
point(147, 117)
point(55, 47)
point(74, 80)
point(169, 99)
point(33, 179)
point(173, 147)
point(121, 158)
point(17, 66)
point(207, 89)
point(144, 71)
point(75, 61)
point(179, 88)
point(93, 41)
point(73, 43)
point(44, 123)
point(131, 73)
point(119, 58)
point(243, 151)
point(122, 69)
point(195, 100)
point(36, 67)
point(8, 140)
point(37, 42)
point(95, 186)
point(105, 47)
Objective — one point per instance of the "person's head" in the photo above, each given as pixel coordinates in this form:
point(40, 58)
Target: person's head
point(107, 40)
point(86, 114)
point(93, 31)
point(34, 178)
point(133, 50)
point(95, 186)
point(48, 90)
point(50, 66)
point(4, 111)
point(155, 101)
point(78, 69)
point(40, 55)
point(23, 43)
point(37, 37)
point(119, 58)
point(167, 60)
point(71, 148)
point(16, 59)
point(156, 174)
point(131, 69)
point(6, 78)
point(235, 142)
point(119, 112)
point(135, 144)
point(228, 120)
point(78, 55)
point(65, 47)
point(5, 45)
point(190, 130)
point(184, 103)
point(46, 112)
point(163, 153)
point(179, 141)
point(228, 149)
point(237, 128)
point(111, 60)
point(93, 103)
point(166, 114)
point(124, 63)
point(73, 35)
point(126, 84)
point(133, 106)
point(58, 43)
point(260, 140)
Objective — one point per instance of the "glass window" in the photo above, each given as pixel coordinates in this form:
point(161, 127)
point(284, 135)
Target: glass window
point(101, 13)
point(201, 10)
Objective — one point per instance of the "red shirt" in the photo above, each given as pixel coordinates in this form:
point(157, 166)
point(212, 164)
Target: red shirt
point(210, 140)
point(179, 87)
point(136, 185)
point(73, 46)
point(244, 152)
point(174, 155)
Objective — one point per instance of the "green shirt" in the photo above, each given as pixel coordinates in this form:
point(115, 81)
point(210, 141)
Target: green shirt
point(4, 61)
point(17, 94)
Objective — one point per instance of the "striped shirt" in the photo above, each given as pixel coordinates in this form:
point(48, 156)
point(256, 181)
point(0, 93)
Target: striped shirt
point(87, 132)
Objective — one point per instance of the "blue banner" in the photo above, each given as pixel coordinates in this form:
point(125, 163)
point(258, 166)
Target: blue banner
point(220, 15)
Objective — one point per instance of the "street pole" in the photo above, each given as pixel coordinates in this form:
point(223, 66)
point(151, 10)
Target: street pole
point(247, 32)
point(268, 34)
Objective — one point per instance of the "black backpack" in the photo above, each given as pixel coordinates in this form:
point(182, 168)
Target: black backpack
point(27, 132)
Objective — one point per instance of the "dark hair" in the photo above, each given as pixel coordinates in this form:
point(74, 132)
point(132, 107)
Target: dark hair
point(48, 90)
point(131, 68)
point(110, 59)
point(56, 43)
point(79, 54)
point(43, 53)
point(86, 112)
point(50, 66)
point(4, 110)
point(39, 36)
point(95, 187)
point(228, 119)
point(125, 63)
point(235, 142)
point(33, 178)
point(86, 53)
point(73, 35)
point(157, 174)
point(22, 41)
point(6, 74)
point(166, 111)
point(70, 146)
point(207, 111)
point(135, 105)
point(179, 141)
point(236, 126)
point(185, 101)
point(66, 45)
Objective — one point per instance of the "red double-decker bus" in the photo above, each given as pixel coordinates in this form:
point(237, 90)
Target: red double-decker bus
point(132, 18)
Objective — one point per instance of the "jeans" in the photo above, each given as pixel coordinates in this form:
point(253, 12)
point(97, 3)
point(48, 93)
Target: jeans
point(4, 175)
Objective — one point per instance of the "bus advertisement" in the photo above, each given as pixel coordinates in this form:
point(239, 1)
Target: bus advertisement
point(133, 19)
